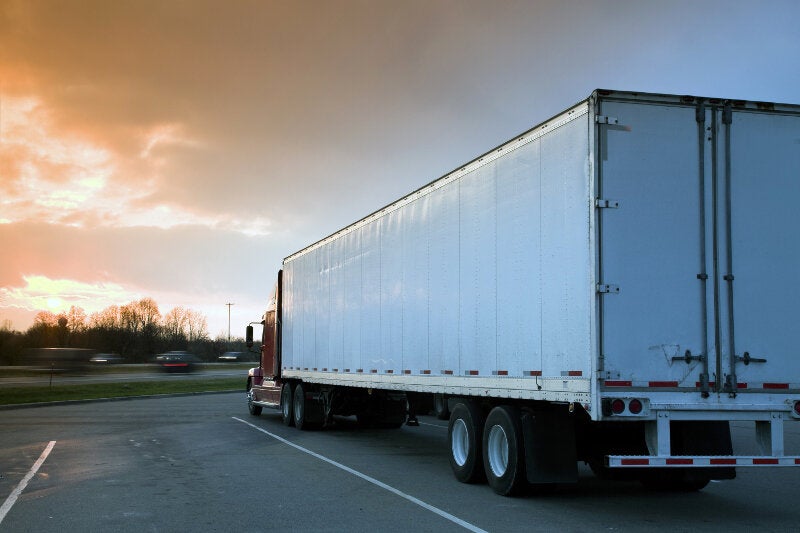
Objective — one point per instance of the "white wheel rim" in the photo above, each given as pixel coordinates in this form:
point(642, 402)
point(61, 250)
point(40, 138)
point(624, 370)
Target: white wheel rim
point(459, 442)
point(286, 405)
point(497, 450)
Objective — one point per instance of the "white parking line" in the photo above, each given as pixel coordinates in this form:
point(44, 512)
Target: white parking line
point(12, 498)
point(412, 499)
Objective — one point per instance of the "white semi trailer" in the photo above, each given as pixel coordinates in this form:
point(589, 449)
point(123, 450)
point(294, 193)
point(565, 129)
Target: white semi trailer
point(615, 285)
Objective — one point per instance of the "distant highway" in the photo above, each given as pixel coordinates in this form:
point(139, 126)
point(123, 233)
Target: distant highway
point(11, 376)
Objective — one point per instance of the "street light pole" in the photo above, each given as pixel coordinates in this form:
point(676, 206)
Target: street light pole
point(229, 321)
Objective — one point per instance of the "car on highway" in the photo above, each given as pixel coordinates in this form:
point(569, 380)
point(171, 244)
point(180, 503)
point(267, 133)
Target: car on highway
point(177, 361)
point(105, 359)
point(233, 357)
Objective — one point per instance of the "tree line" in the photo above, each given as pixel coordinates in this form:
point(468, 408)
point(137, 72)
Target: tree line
point(136, 331)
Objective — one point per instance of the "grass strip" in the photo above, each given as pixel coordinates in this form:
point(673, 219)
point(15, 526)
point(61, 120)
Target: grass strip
point(57, 393)
point(28, 371)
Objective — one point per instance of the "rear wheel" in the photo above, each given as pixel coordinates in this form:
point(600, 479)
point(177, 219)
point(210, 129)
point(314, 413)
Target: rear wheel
point(674, 481)
point(503, 451)
point(287, 405)
point(464, 435)
point(307, 412)
point(299, 407)
point(440, 408)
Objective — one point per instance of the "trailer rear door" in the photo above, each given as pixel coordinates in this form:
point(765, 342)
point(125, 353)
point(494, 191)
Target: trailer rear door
point(762, 257)
point(650, 244)
point(697, 244)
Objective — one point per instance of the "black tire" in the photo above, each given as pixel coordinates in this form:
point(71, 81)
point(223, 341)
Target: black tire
point(287, 404)
point(299, 407)
point(307, 414)
point(673, 481)
point(254, 409)
point(504, 451)
point(464, 433)
point(366, 420)
point(440, 407)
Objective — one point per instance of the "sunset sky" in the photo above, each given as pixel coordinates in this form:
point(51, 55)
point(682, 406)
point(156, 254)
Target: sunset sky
point(180, 149)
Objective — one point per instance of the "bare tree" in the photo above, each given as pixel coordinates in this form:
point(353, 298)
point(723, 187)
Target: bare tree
point(197, 326)
point(76, 320)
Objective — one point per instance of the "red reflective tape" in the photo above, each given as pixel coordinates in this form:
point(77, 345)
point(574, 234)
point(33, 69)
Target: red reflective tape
point(776, 385)
point(176, 364)
point(575, 373)
point(741, 385)
point(662, 384)
point(406, 371)
point(502, 372)
point(447, 372)
point(324, 369)
point(617, 383)
point(765, 461)
point(390, 371)
point(710, 384)
point(635, 462)
point(374, 371)
point(472, 372)
point(533, 372)
point(797, 461)
point(723, 461)
point(425, 372)
point(680, 461)
point(359, 370)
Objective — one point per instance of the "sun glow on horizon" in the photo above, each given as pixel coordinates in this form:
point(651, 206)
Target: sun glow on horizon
point(41, 293)
point(55, 304)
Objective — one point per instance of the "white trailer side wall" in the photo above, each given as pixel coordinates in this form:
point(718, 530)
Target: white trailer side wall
point(480, 283)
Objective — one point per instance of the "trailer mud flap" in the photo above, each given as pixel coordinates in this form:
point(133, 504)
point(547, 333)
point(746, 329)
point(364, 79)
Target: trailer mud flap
point(550, 454)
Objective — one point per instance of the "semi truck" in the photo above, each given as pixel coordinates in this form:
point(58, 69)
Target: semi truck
point(613, 286)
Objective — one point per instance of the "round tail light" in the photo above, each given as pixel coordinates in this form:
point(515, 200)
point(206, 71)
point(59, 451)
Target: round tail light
point(617, 406)
point(635, 406)
point(797, 408)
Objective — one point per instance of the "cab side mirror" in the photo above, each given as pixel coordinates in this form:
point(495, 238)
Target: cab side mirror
point(249, 336)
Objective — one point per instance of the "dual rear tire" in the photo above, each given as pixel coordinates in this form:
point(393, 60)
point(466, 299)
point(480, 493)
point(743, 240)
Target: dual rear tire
point(488, 448)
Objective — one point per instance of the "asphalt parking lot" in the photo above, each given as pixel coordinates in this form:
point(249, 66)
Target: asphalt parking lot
point(201, 463)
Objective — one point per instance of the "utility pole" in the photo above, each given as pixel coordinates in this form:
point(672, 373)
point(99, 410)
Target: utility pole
point(229, 321)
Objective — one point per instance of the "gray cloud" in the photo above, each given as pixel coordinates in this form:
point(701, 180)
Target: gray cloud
point(311, 114)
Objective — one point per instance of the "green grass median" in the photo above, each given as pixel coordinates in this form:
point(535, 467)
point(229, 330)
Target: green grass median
point(58, 393)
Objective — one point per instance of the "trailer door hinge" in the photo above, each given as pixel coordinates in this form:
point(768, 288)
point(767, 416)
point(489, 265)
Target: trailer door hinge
point(603, 288)
point(606, 204)
point(602, 119)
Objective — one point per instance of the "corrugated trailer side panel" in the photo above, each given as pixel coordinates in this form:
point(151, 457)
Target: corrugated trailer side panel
point(481, 283)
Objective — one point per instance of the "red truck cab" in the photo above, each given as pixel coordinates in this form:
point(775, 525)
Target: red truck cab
point(264, 382)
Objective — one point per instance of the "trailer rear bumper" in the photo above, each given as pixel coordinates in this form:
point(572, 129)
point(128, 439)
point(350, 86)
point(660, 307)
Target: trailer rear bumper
point(709, 461)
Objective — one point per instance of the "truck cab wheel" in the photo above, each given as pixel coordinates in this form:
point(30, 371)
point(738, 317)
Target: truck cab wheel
point(287, 405)
point(464, 435)
point(254, 409)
